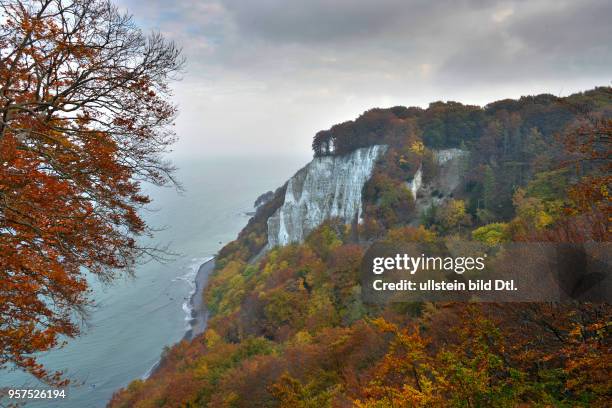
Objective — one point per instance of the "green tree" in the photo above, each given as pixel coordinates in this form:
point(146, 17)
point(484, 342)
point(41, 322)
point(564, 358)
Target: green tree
point(491, 234)
point(489, 189)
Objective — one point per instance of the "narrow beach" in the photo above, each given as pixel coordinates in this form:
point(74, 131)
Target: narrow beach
point(199, 314)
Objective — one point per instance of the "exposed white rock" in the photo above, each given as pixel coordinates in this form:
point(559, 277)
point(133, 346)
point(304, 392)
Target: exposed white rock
point(417, 181)
point(449, 175)
point(328, 187)
point(442, 156)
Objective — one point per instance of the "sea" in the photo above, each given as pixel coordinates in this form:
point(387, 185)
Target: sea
point(135, 318)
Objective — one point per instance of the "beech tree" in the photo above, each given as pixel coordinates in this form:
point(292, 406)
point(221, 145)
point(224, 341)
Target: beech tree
point(85, 118)
point(589, 148)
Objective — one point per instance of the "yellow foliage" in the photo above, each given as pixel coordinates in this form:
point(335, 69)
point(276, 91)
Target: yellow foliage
point(211, 338)
point(492, 234)
point(301, 337)
point(418, 148)
point(410, 234)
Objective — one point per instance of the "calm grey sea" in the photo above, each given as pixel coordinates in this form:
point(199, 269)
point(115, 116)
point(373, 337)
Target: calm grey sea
point(134, 319)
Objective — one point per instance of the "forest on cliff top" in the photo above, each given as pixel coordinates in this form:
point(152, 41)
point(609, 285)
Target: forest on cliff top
point(290, 328)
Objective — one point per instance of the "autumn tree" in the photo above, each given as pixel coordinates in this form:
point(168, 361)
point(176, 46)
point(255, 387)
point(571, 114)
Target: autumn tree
point(402, 378)
point(84, 120)
point(589, 148)
point(452, 214)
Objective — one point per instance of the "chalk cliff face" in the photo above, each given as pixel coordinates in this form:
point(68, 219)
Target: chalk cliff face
point(328, 187)
point(450, 168)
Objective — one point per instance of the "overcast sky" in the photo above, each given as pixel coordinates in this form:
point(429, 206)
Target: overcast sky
point(263, 76)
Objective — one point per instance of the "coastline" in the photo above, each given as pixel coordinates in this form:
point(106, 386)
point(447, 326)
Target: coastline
point(199, 313)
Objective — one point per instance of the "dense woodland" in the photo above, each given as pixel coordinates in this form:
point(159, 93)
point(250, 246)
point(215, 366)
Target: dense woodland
point(289, 328)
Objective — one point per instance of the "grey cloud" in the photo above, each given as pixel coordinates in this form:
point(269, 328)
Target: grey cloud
point(549, 39)
point(490, 40)
point(566, 26)
point(315, 21)
point(316, 62)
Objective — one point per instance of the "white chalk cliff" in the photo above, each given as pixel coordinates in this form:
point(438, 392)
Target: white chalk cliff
point(328, 187)
point(451, 166)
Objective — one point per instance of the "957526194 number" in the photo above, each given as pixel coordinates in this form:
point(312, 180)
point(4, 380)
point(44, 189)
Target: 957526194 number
point(16, 393)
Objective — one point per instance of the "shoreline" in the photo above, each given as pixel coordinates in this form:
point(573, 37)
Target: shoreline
point(199, 313)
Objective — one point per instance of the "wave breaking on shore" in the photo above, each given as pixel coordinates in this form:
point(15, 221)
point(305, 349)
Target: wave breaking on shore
point(196, 315)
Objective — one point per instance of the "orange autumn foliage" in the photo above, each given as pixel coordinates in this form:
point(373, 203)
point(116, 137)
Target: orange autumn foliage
point(84, 117)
